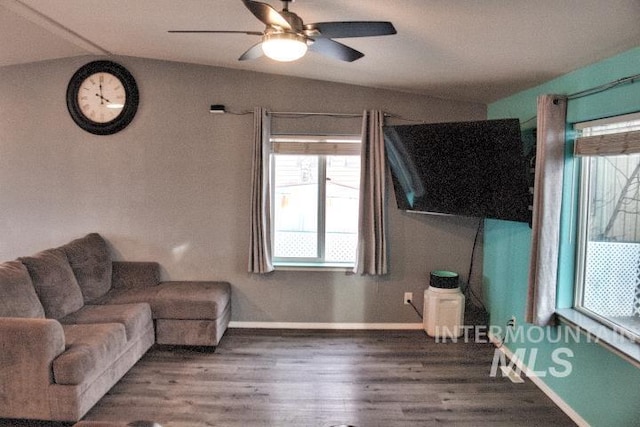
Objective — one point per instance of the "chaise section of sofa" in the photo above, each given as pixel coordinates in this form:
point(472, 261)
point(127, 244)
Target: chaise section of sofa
point(185, 312)
point(73, 322)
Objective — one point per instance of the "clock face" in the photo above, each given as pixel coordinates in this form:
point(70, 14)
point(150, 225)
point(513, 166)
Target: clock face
point(102, 97)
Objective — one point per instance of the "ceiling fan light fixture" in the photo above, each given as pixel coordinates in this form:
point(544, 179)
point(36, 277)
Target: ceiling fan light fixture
point(284, 47)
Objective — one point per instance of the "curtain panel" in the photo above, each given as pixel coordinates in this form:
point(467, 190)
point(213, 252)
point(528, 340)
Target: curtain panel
point(260, 215)
point(547, 201)
point(371, 257)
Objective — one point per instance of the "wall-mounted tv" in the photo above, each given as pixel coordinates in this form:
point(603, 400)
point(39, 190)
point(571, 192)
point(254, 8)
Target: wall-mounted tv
point(477, 169)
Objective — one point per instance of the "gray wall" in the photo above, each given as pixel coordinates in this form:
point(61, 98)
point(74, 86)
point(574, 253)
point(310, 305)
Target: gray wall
point(174, 185)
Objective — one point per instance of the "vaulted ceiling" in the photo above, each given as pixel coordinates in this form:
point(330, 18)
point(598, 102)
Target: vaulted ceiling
point(458, 49)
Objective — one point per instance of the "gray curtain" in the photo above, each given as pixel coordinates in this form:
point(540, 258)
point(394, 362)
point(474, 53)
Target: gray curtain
point(547, 201)
point(260, 239)
point(371, 255)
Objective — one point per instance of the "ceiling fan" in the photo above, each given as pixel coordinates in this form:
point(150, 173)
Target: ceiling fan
point(287, 38)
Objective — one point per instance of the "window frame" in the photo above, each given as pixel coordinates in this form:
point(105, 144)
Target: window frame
point(324, 145)
point(582, 234)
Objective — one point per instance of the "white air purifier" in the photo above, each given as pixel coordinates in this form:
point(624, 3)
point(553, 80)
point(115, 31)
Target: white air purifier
point(443, 312)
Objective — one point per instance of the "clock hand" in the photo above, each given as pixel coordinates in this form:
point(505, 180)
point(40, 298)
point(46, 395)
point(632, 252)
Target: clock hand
point(101, 97)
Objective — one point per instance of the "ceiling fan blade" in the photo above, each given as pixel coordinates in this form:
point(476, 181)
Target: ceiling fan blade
point(251, 33)
point(267, 14)
point(335, 50)
point(254, 52)
point(350, 29)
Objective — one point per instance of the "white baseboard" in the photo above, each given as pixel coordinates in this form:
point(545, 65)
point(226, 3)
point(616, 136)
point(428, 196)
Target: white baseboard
point(322, 325)
point(571, 413)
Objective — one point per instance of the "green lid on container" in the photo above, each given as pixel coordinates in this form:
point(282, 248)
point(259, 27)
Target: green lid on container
point(444, 279)
point(444, 273)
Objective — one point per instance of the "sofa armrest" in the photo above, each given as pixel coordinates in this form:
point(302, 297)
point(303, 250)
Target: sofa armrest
point(28, 347)
point(130, 274)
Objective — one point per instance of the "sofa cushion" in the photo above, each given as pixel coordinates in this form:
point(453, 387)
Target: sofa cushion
point(90, 260)
point(89, 350)
point(54, 282)
point(136, 318)
point(191, 300)
point(134, 274)
point(19, 298)
point(178, 300)
point(128, 296)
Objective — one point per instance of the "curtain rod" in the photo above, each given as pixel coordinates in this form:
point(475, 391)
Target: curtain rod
point(593, 91)
point(601, 88)
point(300, 113)
point(295, 113)
point(344, 115)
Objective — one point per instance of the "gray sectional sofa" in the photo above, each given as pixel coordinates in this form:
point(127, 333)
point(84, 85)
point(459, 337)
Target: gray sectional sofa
point(73, 322)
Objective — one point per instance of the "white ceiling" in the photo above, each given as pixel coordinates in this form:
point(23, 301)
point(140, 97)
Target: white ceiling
point(476, 50)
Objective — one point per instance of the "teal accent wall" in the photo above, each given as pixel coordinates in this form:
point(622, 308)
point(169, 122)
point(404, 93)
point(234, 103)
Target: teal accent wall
point(601, 387)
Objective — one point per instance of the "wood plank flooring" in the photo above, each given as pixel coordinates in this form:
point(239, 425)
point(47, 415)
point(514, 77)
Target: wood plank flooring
point(323, 379)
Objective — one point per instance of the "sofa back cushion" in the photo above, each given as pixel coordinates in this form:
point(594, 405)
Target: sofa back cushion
point(17, 296)
point(54, 282)
point(90, 261)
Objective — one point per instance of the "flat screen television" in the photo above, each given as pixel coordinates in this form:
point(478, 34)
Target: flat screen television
point(476, 169)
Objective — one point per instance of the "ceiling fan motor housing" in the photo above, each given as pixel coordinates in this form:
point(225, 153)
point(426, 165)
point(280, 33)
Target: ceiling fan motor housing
point(294, 20)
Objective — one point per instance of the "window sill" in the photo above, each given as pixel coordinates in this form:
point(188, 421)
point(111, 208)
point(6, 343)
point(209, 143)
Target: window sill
point(619, 344)
point(296, 266)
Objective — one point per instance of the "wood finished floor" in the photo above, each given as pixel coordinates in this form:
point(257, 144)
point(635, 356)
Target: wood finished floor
point(316, 378)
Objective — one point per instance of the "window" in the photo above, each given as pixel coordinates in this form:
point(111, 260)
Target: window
point(608, 258)
point(315, 197)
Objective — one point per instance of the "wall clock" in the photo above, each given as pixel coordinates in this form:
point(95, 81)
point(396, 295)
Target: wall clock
point(102, 97)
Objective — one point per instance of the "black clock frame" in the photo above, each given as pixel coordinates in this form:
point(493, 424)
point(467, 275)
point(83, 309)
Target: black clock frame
point(131, 102)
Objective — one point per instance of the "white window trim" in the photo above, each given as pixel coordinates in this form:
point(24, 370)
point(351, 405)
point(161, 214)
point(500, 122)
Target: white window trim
point(622, 341)
point(321, 145)
point(601, 334)
point(580, 264)
point(607, 121)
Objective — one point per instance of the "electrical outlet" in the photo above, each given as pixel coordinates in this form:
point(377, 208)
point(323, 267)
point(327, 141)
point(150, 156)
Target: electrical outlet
point(408, 296)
